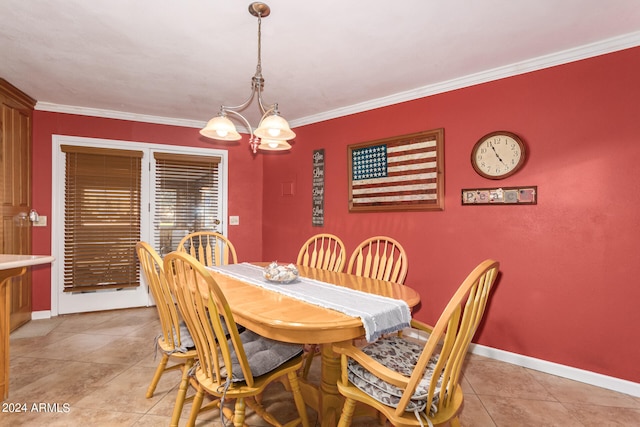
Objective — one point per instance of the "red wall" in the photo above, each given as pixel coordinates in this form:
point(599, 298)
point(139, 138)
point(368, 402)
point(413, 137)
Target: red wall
point(568, 290)
point(245, 175)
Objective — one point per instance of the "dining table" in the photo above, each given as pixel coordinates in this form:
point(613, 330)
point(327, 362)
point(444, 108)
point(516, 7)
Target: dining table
point(276, 315)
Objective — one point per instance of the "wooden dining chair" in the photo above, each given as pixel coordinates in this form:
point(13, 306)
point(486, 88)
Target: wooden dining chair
point(415, 384)
point(174, 342)
point(325, 251)
point(209, 247)
point(231, 365)
point(381, 258)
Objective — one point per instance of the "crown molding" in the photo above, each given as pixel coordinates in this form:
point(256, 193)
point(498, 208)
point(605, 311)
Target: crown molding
point(113, 114)
point(563, 57)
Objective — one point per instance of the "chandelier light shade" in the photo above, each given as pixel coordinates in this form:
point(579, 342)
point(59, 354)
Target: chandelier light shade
point(273, 145)
point(220, 127)
point(274, 127)
point(273, 131)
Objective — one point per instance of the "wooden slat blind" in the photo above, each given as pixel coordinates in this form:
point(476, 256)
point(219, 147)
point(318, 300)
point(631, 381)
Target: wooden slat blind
point(186, 197)
point(102, 218)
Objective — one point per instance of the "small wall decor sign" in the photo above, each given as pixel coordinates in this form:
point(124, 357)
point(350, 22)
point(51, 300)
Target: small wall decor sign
point(501, 196)
point(317, 195)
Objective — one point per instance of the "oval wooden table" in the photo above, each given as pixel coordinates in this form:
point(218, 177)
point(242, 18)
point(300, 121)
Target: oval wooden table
point(283, 318)
point(11, 266)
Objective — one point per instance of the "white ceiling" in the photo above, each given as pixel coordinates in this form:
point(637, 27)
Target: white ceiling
point(177, 61)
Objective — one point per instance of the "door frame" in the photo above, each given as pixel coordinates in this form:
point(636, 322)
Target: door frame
point(146, 225)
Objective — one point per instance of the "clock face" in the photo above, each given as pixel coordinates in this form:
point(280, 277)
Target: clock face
point(498, 155)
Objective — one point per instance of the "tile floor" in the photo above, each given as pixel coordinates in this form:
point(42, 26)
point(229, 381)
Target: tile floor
point(96, 367)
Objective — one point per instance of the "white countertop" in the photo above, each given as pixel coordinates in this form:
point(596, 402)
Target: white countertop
point(8, 261)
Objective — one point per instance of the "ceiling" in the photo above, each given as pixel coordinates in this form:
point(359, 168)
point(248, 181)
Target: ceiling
point(178, 61)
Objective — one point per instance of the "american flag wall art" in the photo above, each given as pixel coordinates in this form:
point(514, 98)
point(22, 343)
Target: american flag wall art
point(400, 173)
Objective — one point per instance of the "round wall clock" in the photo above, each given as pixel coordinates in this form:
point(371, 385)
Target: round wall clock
point(498, 155)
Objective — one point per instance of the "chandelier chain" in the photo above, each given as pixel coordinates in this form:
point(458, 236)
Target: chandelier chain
point(259, 66)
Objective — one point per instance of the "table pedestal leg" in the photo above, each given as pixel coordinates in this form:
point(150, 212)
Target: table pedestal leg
point(331, 404)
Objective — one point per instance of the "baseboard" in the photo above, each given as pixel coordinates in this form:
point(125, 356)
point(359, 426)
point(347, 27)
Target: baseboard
point(564, 371)
point(575, 374)
point(39, 315)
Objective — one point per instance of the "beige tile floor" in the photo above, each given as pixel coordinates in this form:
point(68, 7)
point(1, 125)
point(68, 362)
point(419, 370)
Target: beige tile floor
point(96, 367)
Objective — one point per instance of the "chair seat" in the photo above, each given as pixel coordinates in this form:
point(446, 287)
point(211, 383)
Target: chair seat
point(185, 343)
point(398, 375)
point(400, 355)
point(264, 354)
point(174, 340)
point(231, 365)
point(241, 388)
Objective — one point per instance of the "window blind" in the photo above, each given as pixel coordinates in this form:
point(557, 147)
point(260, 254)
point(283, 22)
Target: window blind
point(102, 218)
point(187, 197)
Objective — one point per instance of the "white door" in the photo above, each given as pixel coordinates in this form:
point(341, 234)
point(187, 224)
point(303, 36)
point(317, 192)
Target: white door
point(108, 259)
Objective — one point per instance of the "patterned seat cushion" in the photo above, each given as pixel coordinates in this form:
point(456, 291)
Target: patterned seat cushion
point(400, 355)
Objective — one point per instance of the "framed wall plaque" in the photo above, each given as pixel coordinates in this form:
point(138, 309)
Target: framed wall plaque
point(403, 173)
point(501, 196)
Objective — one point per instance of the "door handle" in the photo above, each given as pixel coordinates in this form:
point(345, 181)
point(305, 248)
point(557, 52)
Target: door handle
point(33, 216)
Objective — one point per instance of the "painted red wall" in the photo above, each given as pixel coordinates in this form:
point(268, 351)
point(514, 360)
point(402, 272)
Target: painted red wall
point(245, 176)
point(568, 290)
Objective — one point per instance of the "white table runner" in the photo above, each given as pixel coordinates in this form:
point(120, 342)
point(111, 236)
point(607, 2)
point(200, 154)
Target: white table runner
point(380, 315)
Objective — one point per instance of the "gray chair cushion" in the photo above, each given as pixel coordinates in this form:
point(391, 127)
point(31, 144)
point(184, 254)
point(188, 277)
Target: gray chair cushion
point(185, 337)
point(400, 355)
point(187, 340)
point(264, 355)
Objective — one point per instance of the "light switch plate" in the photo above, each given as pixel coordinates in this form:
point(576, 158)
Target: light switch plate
point(41, 222)
point(234, 220)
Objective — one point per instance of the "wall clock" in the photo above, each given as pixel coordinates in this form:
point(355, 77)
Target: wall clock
point(498, 155)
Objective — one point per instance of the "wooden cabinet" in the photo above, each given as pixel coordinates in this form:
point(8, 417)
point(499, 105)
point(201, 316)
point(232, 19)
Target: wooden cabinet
point(16, 115)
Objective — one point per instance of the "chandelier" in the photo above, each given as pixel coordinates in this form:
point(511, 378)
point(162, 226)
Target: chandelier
point(273, 131)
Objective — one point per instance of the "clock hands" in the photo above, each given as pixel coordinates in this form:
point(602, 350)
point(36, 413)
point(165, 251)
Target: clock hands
point(496, 153)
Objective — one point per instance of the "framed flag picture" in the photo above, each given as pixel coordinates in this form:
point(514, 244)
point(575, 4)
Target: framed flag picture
point(403, 173)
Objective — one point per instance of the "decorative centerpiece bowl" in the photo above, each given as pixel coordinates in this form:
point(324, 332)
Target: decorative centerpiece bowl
point(277, 273)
